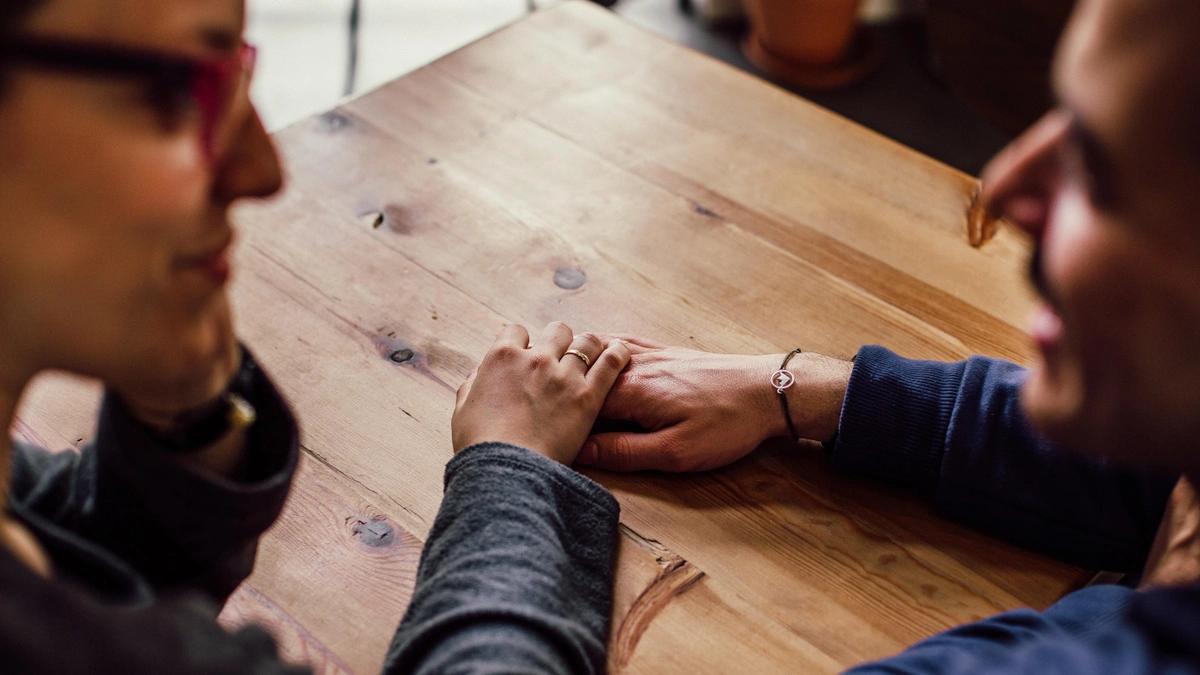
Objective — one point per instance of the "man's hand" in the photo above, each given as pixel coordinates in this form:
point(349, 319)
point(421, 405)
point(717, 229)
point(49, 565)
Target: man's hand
point(537, 396)
point(701, 410)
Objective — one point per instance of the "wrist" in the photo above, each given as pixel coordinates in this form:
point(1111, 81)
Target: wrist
point(762, 395)
point(815, 401)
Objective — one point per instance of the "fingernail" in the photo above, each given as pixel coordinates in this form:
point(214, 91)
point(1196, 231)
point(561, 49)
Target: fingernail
point(589, 451)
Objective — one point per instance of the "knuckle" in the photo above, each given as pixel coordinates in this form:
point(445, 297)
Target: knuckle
point(620, 452)
point(559, 389)
point(504, 353)
point(590, 339)
point(558, 326)
point(539, 361)
point(612, 359)
point(584, 395)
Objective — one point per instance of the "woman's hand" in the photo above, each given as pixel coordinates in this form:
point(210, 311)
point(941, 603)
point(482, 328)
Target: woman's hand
point(537, 396)
point(700, 410)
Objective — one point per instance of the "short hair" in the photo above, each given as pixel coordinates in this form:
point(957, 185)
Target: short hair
point(12, 13)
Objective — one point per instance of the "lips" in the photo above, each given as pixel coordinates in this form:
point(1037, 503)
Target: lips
point(213, 263)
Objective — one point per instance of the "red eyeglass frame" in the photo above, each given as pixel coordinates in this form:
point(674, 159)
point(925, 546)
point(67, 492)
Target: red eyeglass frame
point(212, 82)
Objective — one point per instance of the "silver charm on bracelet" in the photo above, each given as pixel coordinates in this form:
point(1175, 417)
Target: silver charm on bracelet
point(782, 379)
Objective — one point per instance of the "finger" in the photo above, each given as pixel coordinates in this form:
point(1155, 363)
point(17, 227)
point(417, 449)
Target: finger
point(512, 335)
point(977, 217)
point(629, 451)
point(635, 343)
point(625, 399)
point(587, 344)
point(556, 337)
point(608, 365)
point(981, 223)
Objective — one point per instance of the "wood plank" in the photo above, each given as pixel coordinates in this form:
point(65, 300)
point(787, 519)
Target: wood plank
point(754, 143)
point(474, 220)
point(247, 606)
point(336, 573)
point(58, 411)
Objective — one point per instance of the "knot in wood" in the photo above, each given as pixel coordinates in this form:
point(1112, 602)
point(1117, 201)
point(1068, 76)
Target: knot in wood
point(334, 121)
point(372, 219)
point(569, 278)
point(375, 532)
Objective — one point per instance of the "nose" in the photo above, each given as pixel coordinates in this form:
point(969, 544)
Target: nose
point(250, 166)
point(1019, 183)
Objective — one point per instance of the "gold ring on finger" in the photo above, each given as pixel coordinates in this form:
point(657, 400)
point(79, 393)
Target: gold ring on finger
point(587, 361)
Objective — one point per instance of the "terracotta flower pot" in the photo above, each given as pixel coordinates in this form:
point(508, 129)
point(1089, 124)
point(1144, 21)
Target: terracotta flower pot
point(813, 43)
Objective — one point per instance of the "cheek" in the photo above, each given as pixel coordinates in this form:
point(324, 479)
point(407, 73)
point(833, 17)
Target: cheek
point(122, 216)
point(95, 185)
point(157, 189)
point(156, 206)
point(1132, 311)
point(1088, 266)
point(112, 155)
point(94, 213)
point(1088, 263)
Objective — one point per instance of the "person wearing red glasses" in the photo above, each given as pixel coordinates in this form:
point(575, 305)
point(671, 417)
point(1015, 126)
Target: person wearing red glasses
point(126, 134)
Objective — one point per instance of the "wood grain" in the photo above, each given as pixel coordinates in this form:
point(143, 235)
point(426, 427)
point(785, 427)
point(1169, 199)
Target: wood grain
point(653, 576)
point(572, 167)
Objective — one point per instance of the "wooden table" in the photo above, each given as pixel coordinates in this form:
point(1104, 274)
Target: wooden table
point(573, 167)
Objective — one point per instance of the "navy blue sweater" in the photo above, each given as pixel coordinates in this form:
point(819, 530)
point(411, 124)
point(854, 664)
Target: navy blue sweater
point(956, 433)
point(953, 432)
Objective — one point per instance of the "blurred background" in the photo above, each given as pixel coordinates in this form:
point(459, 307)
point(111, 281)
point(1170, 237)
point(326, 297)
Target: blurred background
point(955, 79)
point(304, 45)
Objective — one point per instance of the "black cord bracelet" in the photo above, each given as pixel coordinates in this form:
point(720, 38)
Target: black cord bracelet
point(781, 380)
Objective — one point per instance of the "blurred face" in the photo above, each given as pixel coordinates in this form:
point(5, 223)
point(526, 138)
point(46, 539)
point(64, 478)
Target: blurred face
point(114, 205)
point(1109, 185)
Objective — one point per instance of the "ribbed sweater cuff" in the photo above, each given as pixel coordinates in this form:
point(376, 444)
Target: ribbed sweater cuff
point(894, 418)
point(539, 466)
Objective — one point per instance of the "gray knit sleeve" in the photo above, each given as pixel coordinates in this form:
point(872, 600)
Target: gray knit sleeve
point(516, 576)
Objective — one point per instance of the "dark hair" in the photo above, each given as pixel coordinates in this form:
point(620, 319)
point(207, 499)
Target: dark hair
point(11, 14)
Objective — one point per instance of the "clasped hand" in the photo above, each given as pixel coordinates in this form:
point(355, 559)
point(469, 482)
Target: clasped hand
point(536, 395)
point(692, 410)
